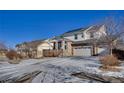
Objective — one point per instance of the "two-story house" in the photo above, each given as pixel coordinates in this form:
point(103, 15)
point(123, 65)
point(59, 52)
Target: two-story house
point(79, 42)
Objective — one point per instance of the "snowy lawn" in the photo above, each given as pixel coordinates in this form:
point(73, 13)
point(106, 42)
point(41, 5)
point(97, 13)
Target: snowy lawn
point(49, 70)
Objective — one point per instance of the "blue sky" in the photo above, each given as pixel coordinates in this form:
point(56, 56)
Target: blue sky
point(19, 26)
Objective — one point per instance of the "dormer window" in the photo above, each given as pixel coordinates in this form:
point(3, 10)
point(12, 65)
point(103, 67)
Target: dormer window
point(75, 36)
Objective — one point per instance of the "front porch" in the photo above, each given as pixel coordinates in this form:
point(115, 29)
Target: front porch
point(61, 47)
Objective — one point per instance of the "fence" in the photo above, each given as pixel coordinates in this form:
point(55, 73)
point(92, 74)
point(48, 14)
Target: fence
point(52, 53)
point(118, 53)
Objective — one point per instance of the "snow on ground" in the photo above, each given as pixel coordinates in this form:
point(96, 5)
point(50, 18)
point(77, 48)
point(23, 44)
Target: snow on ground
point(54, 69)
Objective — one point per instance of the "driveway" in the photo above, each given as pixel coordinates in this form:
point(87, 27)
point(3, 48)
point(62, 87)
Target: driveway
point(53, 70)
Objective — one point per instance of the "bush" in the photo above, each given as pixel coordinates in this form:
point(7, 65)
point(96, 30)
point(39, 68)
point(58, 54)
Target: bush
point(12, 55)
point(109, 60)
point(14, 61)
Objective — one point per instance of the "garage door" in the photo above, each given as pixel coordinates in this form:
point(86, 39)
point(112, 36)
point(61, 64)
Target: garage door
point(85, 51)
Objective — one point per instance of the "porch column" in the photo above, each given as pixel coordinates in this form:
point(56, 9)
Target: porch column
point(63, 48)
point(94, 50)
point(56, 45)
point(63, 45)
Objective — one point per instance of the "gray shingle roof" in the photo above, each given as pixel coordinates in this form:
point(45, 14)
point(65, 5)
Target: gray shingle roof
point(80, 30)
point(32, 44)
point(75, 31)
point(59, 38)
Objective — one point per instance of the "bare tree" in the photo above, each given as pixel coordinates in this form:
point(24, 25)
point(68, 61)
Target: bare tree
point(2, 46)
point(114, 32)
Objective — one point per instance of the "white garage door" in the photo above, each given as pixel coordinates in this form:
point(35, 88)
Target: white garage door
point(86, 51)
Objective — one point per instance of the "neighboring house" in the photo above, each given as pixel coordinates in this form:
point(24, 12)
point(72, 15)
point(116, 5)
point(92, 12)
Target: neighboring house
point(80, 41)
point(33, 49)
point(3, 50)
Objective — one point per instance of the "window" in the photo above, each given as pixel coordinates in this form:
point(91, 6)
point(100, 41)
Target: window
point(65, 42)
point(65, 45)
point(75, 36)
point(82, 35)
point(54, 45)
point(91, 35)
point(59, 45)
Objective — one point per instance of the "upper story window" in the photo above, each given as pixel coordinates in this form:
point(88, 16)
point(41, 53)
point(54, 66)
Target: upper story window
point(91, 35)
point(75, 36)
point(82, 35)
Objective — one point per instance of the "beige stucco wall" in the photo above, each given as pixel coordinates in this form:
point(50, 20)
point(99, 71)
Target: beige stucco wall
point(43, 46)
point(100, 50)
point(68, 51)
point(2, 54)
